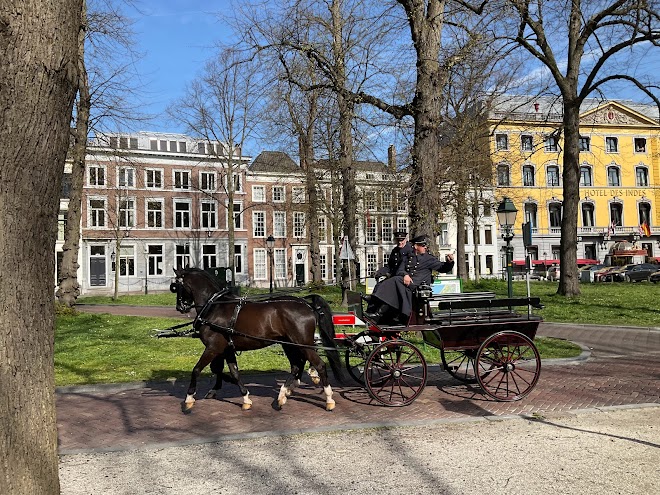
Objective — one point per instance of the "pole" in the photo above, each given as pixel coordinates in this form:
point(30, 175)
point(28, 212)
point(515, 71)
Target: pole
point(509, 266)
point(270, 252)
point(146, 273)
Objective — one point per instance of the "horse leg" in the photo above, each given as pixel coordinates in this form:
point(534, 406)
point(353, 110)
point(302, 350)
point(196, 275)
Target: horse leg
point(217, 365)
point(236, 378)
point(206, 357)
point(297, 362)
point(314, 375)
point(318, 364)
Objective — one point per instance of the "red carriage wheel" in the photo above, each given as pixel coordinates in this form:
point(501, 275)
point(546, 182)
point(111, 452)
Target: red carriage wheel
point(459, 364)
point(395, 373)
point(507, 366)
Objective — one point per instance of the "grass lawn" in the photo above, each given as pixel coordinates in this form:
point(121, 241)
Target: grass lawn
point(93, 348)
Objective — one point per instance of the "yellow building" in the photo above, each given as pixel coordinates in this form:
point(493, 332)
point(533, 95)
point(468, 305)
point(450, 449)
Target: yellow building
point(619, 174)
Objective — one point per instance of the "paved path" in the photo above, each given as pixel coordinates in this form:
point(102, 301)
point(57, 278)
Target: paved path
point(623, 369)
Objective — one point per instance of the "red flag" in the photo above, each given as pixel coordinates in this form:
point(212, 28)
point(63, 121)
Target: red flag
point(646, 230)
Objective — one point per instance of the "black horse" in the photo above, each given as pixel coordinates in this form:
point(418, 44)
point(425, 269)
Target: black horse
point(227, 324)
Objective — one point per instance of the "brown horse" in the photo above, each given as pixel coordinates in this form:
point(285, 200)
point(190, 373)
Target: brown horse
point(227, 325)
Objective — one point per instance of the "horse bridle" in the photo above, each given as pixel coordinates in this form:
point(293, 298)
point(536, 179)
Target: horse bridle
point(184, 299)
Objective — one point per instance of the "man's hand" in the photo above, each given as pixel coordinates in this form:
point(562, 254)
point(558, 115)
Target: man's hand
point(449, 257)
point(407, 280)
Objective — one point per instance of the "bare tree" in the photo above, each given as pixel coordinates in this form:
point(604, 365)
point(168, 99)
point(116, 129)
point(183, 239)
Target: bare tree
point(222, 106)
point(38, 80)
point(585, 47)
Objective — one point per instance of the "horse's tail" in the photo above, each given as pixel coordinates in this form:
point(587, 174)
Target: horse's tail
point(327, 332)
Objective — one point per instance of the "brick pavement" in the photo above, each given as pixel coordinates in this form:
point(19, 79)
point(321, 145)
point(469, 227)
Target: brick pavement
point(624, 369)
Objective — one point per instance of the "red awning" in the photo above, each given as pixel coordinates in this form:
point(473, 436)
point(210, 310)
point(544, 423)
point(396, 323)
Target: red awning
point(545, 262)
point(518, 262)
point(586, 261)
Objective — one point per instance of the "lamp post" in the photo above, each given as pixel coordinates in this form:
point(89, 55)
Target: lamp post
point(146, 270)
point(270, 244)
point(506, 216)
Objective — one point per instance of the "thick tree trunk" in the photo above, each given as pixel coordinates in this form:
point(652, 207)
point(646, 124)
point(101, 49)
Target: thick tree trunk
point(306, 162)
point(569, 283)
point(38, 50)
point(69, 288)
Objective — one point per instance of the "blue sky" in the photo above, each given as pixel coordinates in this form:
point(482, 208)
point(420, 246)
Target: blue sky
point(176, 38)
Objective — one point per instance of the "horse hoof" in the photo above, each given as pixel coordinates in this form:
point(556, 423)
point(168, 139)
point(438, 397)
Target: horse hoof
point(246, 407)
point(186, 407)
point(330, 407)
point(316, 380)
point(210, 395)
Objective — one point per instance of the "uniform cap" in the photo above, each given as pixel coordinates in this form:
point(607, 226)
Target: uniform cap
point(400, 234)
point(422, 240)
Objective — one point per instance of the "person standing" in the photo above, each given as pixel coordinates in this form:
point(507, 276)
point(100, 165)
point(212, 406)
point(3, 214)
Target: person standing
point(395, 293)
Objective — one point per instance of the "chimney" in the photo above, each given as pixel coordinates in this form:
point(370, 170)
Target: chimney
point(391, 157)
point(536, 107)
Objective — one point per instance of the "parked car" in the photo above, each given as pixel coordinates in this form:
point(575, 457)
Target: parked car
point(655, 277)
point(553, 273)
point(640, 272)
point(615, 274)
point(601, 275)
point(587, 273)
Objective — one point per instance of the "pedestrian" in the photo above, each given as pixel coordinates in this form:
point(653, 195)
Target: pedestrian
point(393, 296)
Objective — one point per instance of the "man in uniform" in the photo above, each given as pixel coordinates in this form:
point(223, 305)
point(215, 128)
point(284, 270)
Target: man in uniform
point(403, 249)
point(395, 293)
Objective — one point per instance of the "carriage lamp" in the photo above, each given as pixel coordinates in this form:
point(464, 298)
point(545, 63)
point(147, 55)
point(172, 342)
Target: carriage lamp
point(270, 244)
point(506, 216)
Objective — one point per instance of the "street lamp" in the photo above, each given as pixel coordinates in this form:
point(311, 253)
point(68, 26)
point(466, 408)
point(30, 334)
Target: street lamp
point(506, 216)
point(270, 244)
point(146, 270)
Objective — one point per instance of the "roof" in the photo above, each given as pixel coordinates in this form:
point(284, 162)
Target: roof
point(273, 161)
point(364, 165)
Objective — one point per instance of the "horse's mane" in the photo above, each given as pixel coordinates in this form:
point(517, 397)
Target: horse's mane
point(198, 271)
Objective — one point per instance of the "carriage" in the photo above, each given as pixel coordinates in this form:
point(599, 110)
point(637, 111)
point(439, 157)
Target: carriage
point(481, 339)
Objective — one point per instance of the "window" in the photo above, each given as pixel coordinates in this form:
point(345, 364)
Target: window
point(585, 176)
point(207, 181)
point(584, 143)
point(551, 144)
point(613, 176)
point(259, 257)
point(238, 258)
point(489, 264)
point(127, 261)
point(372, 262)
point(153, 145)
point(259, 194)
point(126, 177)
point(181, 214)
point(154, 214)
point(526, 143)
point(155, 260)
point(279, 256)
point(616, 214)
point(298, 194)
point(530, 214)
point(641, 177)
point(370, 231)
point(96, 212)
point(323, 264)
point(154, 178)
point(201, 148)
point(402, 224)
point(386, 229)
point(163, 145)
point(96, 175)
point(278, 194)
point(182, 256)
point(238, 184)
point(127, 213)
point(181, 179)
point(298, 224)
point(238, 215)
point(258, 224)
point(370, 200)
point(209, 215)
point(279, 224)
point(402, 202)
point(640, 145)
point(209, 256)
point(488, 235)
point(323, 229)
point(123, 142)
point(386, 201)
point(501, 142)
point(173, 146)
point(61, 225)
point(503, 175)
point(588, 215)
point(487, 209)
point(182, 146)
point(444, 235)
point(528, 175)
point(552, 176)
point(554, 210)
point(611, 145)
point(645, 214)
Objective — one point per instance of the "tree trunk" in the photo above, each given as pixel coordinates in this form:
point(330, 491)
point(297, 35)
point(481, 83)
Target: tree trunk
point(568, 281)
point(38, 49)
point(306, 162)
point(69, 288)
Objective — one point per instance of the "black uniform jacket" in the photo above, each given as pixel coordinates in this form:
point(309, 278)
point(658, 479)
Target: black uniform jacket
point(397, 255)
point(420, 267)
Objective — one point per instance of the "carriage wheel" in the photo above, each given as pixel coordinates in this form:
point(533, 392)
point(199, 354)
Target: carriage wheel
point(395, 373)
point(507, 366)
point(356, 355)
point(460, 364)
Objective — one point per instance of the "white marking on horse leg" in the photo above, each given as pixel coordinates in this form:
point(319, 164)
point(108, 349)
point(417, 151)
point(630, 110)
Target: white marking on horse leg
point(294, 384)
point(314, 375)
point(247, 403)
point(281, 398)
point(329, 403)
point(190, 399)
